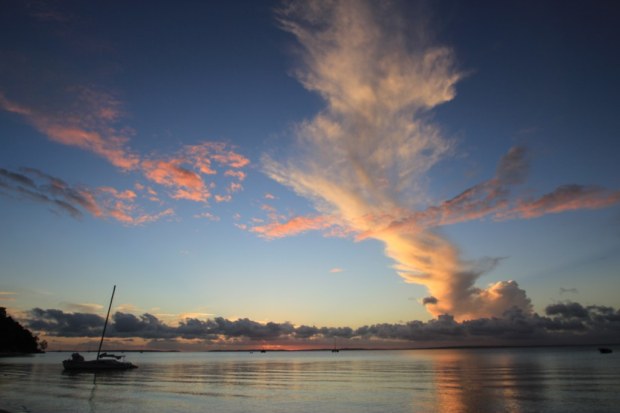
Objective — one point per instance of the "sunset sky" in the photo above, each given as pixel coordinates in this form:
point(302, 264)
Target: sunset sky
point(323, 164)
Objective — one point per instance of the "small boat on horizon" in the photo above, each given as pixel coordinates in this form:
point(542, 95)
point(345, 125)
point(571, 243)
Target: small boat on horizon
point(104, 361)
point(335, 349)
point(605, 350)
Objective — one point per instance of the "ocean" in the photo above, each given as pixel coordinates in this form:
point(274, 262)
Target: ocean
point(563, 380)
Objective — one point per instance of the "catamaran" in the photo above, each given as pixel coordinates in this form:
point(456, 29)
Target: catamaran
point(104, 361)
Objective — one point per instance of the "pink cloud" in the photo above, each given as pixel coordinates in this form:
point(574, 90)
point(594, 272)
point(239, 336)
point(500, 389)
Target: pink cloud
point(189, 184)
point(88, 125)
point(13, 107)
point(186, 171)
point(121, 205)
point(294, 226)
point(203, 154)
point(240, 175)
point(109, 147)
point(127, 194)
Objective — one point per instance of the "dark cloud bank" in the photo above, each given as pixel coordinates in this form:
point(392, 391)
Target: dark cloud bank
point(563, 323)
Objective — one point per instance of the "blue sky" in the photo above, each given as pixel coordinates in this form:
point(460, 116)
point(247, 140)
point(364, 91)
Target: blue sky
point(329, 164)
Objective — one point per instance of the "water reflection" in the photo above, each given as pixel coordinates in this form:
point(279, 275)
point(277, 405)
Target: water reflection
point(483, 381)
point(506, 380)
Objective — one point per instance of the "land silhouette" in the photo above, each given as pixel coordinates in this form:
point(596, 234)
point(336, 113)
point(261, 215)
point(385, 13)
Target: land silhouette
point(15, 339)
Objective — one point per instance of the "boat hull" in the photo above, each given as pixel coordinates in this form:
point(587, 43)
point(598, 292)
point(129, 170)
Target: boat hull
point(97, 365)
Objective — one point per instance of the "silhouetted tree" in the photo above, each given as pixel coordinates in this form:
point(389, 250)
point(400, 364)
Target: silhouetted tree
point(16, 339)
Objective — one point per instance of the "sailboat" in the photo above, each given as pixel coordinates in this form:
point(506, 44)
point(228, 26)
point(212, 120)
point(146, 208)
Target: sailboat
point(104, 361)
point(335, 349)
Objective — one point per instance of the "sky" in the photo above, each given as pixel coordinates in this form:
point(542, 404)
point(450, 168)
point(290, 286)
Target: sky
point(280, 174)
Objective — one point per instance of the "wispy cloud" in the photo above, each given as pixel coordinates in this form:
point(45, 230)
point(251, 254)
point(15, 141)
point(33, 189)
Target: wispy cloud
point(565, 198)
point(363, 159)
point(186, 170)
point(293, 226)
point(568, 290)
point(187, 183)
point(494, 198)
point(62, 197)
point(82, 307)
point(207, 215)
point(7, 296)
point(88, 124)
point(83, 110)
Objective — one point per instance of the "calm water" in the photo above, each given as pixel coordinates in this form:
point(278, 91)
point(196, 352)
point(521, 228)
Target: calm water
point(481, 380)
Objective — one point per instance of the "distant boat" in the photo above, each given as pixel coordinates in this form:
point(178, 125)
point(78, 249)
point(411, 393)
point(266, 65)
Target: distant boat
point(104, 361)
point(335, 349)
point(605, 350)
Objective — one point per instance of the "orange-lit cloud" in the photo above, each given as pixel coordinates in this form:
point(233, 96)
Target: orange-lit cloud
point(363, 160)
point(89, 125)
point(363, 157)
point(240, 175)
point(204, 154)
point(293, 226)
point(187, 172)
point(188, 184)
point(13, 107)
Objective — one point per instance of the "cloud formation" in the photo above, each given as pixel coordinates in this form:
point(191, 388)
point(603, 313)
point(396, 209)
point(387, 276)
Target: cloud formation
point(103, 202)
point(563, 323)
point(184, 172)
point(62, 324)
point(293, 226)
point(362, 161)
point(88, 124)
point(81, 110)
point(365, 156)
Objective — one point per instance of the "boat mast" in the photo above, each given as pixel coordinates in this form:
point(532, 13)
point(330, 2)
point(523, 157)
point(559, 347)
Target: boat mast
point(106, 322)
